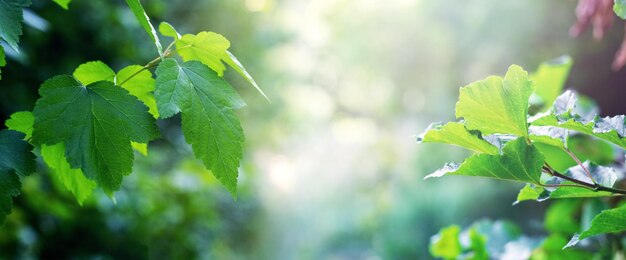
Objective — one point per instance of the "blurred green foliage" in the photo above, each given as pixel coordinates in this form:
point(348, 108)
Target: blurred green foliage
point(331, 169)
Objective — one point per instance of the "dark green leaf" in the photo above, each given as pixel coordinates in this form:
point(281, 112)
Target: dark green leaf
point(96, 123)
point(11, 21)
point(16, 160)
point(209, 122)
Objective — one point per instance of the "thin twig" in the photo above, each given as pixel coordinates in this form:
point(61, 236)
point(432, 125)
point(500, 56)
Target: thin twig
point(581, 165)
point(595, 187)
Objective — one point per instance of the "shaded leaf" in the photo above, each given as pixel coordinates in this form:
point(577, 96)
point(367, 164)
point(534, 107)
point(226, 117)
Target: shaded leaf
point(16, 160)
point(96, 123)
point(11, 21)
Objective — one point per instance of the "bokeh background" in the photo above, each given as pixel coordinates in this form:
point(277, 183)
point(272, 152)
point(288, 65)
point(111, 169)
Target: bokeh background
point(331, 169)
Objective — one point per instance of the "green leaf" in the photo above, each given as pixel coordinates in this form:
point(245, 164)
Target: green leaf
point(11, 21)
point(141, 85)
point(72, 179)
point(550, 78)
point(16, 160)
point(608, 221)
point(529, 192)
point(496, 105)
point(232, 61)
point(446, 243)
point(168, 30)
point(22, 122)
point(206, 47)
point(619, 7)
point(562, 115)
point(560, 216)
point(455, 133)
point(478, 244)
point(63, 3)
point(144, 21)
point(520, 161)
point(93, 71)
point(96, 123)
point(209, 122)
point(552, 249)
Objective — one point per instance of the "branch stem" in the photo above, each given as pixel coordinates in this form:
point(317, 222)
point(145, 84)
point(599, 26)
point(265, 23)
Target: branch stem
point(593, 186)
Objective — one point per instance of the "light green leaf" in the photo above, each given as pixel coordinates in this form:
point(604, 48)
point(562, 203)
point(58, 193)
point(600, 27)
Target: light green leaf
point(455, 133)
point(141, 85)
point(529, 192)
point(168, 30)
point(496, 105)
point(206, 47)
point(144, 21)
point(11, 21)
point(16, 160)
point(608, 221)
point(619, 7)
point(72, 179)
point(232, 61)
point(209, 122)
point(550, 78)
point(519, 162)
point(63, 3)
point(446, 243)
point(22, 122)
point(93, 71)
point(478, 244)
point(96, 123)
point(141, 148)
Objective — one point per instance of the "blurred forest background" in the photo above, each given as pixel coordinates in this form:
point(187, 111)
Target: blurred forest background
point(331, 168)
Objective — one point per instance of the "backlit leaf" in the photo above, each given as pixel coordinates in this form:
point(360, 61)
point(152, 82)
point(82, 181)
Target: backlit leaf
point(496, 105)
point(455, 133)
